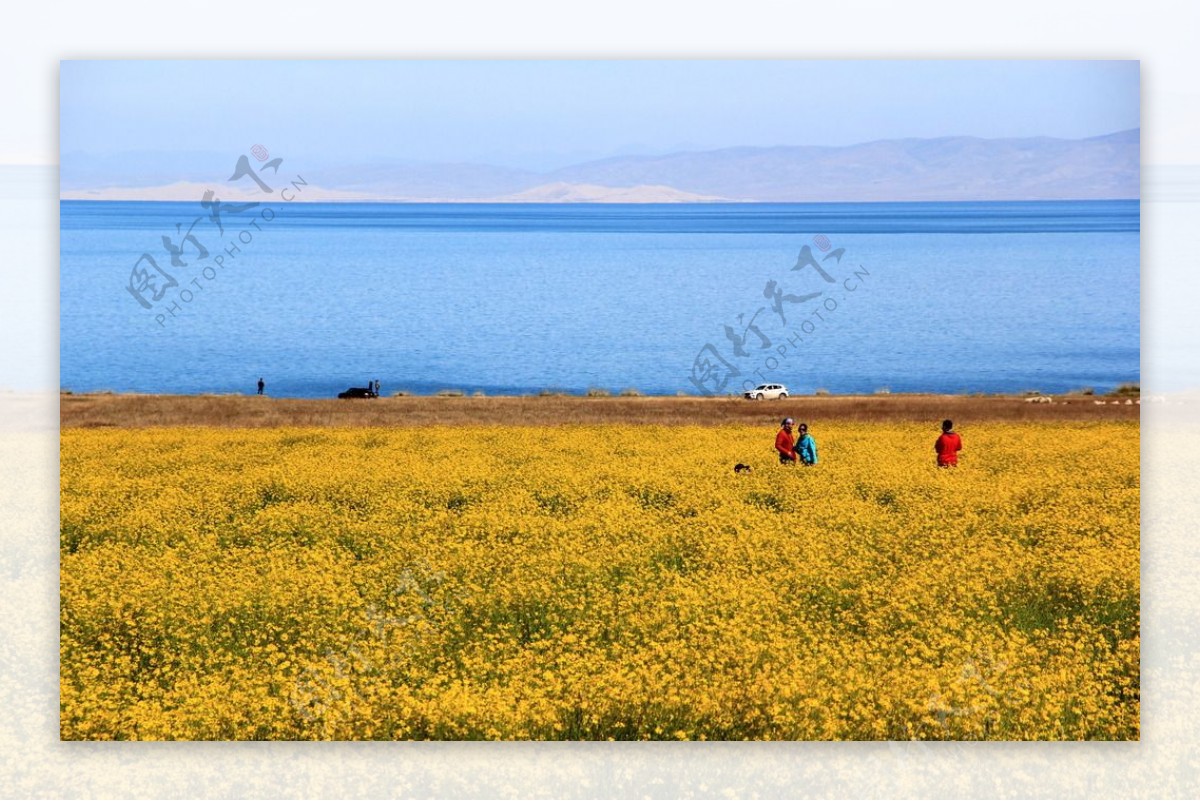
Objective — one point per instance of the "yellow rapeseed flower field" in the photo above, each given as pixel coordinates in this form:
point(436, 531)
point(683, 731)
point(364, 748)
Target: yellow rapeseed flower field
point(599, 582)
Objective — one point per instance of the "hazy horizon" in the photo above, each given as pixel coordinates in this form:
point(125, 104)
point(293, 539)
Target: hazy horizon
point(545, 115)
point(886, 170)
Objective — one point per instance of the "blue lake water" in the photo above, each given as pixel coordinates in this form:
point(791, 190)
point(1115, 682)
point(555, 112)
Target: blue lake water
point(505, 298)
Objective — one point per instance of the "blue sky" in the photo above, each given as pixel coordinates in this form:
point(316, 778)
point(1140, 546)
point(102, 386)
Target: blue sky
point(545, 114)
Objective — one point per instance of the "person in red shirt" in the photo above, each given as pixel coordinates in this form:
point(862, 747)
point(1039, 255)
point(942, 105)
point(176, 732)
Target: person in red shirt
point(786, 444)
point(948, 445)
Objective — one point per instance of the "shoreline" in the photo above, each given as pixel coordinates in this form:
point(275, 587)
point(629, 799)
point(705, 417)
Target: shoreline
point(111, 410)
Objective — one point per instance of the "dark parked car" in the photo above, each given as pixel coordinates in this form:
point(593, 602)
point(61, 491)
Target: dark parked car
point(358, 392)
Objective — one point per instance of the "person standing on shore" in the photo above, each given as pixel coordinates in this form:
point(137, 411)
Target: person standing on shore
point(948, 445)
point(261, 385)
point(806, 447)
point(784, 443)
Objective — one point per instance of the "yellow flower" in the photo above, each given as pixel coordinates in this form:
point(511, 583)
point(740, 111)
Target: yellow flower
point(598, 582)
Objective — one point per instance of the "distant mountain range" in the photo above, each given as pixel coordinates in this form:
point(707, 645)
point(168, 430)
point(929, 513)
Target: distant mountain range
point(946, 168)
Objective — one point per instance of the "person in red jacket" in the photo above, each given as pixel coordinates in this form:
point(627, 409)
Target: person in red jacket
point(786, 444)
point(948, 445)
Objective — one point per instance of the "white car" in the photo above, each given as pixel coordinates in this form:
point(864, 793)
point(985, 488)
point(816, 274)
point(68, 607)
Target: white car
point(767, 392)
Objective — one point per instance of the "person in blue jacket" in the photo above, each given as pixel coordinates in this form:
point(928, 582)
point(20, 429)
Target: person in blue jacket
point(806, 447)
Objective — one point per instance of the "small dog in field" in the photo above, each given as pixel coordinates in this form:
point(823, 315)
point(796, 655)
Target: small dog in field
point(741, 468)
